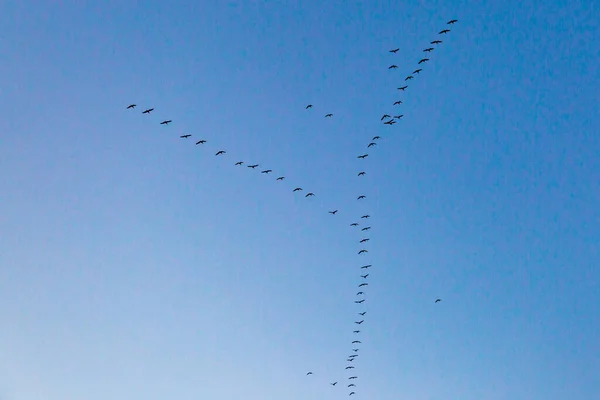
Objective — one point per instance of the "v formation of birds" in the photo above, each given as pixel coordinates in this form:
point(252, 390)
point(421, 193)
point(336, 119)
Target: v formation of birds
point(364, 268)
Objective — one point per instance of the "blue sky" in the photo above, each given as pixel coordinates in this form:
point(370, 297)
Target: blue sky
point(134, 264)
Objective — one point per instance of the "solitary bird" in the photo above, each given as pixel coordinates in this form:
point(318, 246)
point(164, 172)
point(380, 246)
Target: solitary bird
point(362, 196)
point(385, 116)
point(359, 301)
point(185, 136)
point(220, 152)
point(365, 240)
point(353, 377)
point(333, 384)
point(266, 171)
point(239, 163)
point(131, 106)
point(452, 21)
point(354, 224)
point(375, 138)
point(309, 106)
point(328, 115)
point(366, 228)
point(403, 88)
point(393, 66)
point(309, 373)
point(361, 173)
point(148, 111)
point(281, 178)
point(366, 216)
point(366, 266)
point(201, 141)
point(333, 212)
point(364, 276)
point(362, 313)
point(408, 78)
point(394, 51)
point(363, 284)
point(372, 144)
point(356, 331)
point(253, 166)
point(422, 60)
point(166, 122)
point(363, 156)
point(444, 31)
point(436, 42)
point(416, 71)
point(396, 103)
point(309, 194)
point(438, 300)
point(429, 49)
point(297, 189)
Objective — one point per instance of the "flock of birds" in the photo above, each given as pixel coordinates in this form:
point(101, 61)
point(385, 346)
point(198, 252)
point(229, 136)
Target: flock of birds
point(387, 119)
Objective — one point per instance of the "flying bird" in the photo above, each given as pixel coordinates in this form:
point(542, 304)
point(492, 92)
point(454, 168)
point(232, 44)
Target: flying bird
point(220, 152)
point(297, 189)
point(185, 136)
point(408, 78)
point(352, 385)
point(372, 144)
point(416, 71)
point(355, 350)
point(131, 106)
point(266, 171)
point(362, 196)
point(360, 293)
point(353, 355)
point(333, 384)
point(364, 276)
point(398, 116)
point(362, 251)
point(385, 116)
point(281, 178)
point(253, 166)
point(239, 163)
point(354, 224)
point(328, 115)
point(366, 216)
point(390, 122)
point(359, 301)
point(396, 103)
point(363, 156)
point(333, 212)
point(365, 240)
point(356, 341)
point(309, 373)
point(393, 66)
point(444, 31)
point(350, 367)
point(353, 377)
point(201, 141)
point(438, 300)
point(436, 42)
point(363, 284)
point(356, 331)
point(375, 138)
point(452, 21)
point(366, 266)
point(429, 49)
point(351, 393)
point(309, 106)
point(166, 122)
point(309, 194)
point(422, 60)
point(394, 51)
point(366, 228)
point(361, 173)
point(403, 88)
point(350, 359)
point(148, 111)
point(359, 322)
point(362, 313)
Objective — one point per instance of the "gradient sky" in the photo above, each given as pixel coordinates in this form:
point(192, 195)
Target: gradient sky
point(135, 265)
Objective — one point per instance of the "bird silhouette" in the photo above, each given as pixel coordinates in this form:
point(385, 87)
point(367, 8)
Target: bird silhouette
point(376, 138)
point(266, 171)
point(309, 106)
point(390, 122)
point(364, 276)
point(403, 88)
point(253, 166)
point(131, 106)
point(429, 49)
point(363, 156)
point(359, 322)
point(392, 66)
point(362, 313)
point(185, 136)
point(356, 341)
point(361, 173)
point(297, 189)
point(385, 116)
point(239, 163)
point(309, 194)
point(436, 42)
point(351, 393)
point(355, 350)
point(281, 178)
point(360, 293)
point(309, 373)
point(353, 355)
point(422, 60)
point(444, 31)
point(166, 122)
point(398, 102)
point(366, 266)
point(416, 71)
point(366, 228)
point(438, 300)
point(452, 21)
point(148, 111)
point(359, 301)
point(356, 331)
point(398, 116)
point(394, 51)
point(363, 251)
point(328, 115)
point(333, 384)
point(366, 216)
point(363, 284)
point(333, 212)
point(364, 240)
point(408, 78)
point(220, 152)
point(349, 367)
point(353, 377)
point(372, 144)
point(201, 141)
point(354, 224)
point(362, 196)
point(352, 385)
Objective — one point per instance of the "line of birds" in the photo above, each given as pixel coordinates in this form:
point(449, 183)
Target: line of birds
point(387, 119)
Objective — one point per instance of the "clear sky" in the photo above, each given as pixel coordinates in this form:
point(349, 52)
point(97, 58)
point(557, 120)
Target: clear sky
point(137, 265)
